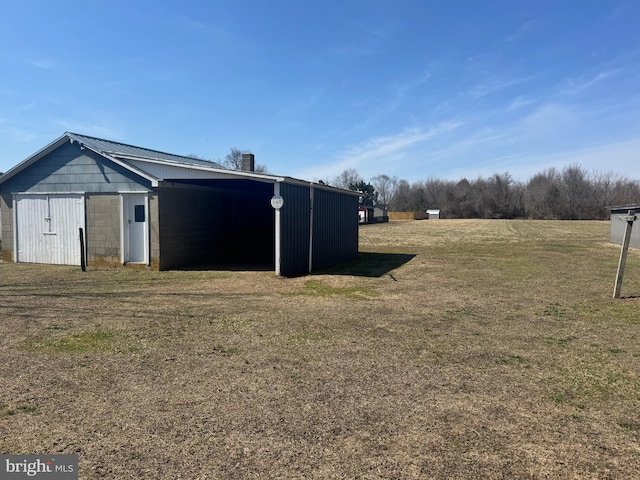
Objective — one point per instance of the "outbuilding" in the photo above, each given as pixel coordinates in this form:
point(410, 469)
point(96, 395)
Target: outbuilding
point(139, 207)
point(433, 214)
point(618, 225)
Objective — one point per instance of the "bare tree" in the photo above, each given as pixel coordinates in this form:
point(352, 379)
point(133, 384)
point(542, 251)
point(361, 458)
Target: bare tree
point(542, 196)
point(401, 201)
point(577, 194)
point(350, 176)
point(572, 193)
point(385, 186)
point(436, 192)
point(233, 160)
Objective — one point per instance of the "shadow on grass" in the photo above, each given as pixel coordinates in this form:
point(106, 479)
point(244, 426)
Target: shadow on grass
point(231, 267)
point(368, 264)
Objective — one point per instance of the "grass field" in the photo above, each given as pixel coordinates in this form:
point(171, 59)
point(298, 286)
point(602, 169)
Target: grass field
point(450, 349)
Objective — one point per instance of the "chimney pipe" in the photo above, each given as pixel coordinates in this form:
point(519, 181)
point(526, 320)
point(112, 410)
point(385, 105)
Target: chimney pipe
point(248, 162)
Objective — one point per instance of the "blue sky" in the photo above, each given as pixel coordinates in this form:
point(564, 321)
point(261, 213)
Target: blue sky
point(415, 89)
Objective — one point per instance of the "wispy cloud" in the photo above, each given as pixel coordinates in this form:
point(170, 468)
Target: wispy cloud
point(577, 85)
point(519, 102)
point(88, 128)
point(495, 85)
point(43, 63)
point(402, 87)
point(375, 33)
point(474, 142)
point(364, 49)
point(370, 41)
point(548, 116)
point(379, 151)
point(301, 105)
point(615, 13)
point(17, 135)
point(399, 93)
point(598, 157)
point(520, 32)
point(193, 25)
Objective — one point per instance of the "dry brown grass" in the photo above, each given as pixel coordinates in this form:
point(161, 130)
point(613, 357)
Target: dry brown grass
point(497, 352)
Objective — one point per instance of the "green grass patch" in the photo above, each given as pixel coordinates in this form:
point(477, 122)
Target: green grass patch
point(24, 408)
point(615, 311)
point(461, 313)
point(520, 267)
point(316, 288)
point(218, 350)
point(559, 398)
point(563, 342)
point(556, 311)
point(600, 379)
point(631, 426)
point(569, 248)
point(305, 338)
point(511, 360)
point(225, 350)
point(230, 323)
point(84, 342)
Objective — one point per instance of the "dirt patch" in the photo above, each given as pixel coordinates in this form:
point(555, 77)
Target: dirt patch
point(493, 350)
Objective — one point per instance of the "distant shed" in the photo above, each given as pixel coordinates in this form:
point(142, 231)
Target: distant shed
point(433, 214)
point(143, 207)
point(618, 226)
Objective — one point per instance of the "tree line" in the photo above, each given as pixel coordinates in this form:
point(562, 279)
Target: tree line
point(572, 193)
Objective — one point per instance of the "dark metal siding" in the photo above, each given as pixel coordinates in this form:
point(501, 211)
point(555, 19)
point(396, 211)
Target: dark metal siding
point(335, 227)
point(70, 169)
point(294, 230)
point(201, 223)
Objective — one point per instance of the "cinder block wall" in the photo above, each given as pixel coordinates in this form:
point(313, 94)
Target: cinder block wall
point(103, 229)
point(6, 206)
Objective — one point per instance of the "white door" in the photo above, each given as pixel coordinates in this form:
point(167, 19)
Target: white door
point(48, 228)
point(136, 222)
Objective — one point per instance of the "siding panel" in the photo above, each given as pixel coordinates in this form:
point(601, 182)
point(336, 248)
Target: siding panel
point(48, 228)
point(618, 228)
point(70, 169)
point(335, 228)
point(294, 230)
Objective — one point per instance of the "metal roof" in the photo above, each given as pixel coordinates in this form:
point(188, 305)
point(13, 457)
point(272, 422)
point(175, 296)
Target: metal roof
point(635, 206)
point(116, 149)
point(155, 165)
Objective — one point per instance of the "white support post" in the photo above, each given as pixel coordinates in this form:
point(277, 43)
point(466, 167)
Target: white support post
point(14, 214)
point(123, 229)
point(276, 192)
point(147, 234)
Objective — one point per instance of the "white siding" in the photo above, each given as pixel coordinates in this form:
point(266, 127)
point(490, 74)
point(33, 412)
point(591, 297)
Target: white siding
point(48, 228)
point(618, 228)
point(175, 172)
